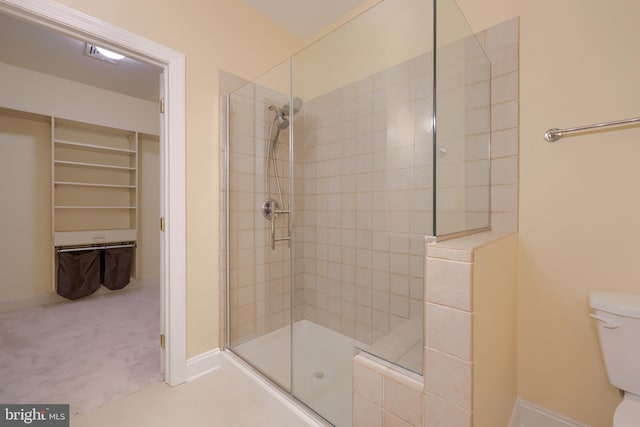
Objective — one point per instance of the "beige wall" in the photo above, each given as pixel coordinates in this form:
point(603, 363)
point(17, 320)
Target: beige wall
point(213, 34)
point(394, 32)
point(494, 323)
point(30, 91)
point(579, 199)
point(148, 255)
point(25, 212)
point(362, 7)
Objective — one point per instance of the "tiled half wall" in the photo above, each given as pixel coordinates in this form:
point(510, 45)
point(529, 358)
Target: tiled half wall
point(470, 363)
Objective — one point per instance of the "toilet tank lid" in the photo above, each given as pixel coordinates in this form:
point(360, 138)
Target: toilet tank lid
point(620, 303)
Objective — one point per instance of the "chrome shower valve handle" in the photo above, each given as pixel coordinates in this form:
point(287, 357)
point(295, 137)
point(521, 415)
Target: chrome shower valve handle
point(271, 210)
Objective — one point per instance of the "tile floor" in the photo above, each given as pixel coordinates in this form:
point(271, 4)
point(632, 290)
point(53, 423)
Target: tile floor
point(226, 397)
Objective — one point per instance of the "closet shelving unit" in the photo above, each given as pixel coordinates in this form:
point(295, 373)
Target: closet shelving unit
point(94, 184)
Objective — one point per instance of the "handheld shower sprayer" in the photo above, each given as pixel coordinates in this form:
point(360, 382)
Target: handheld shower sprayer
point(271, 207)
point(280, 122)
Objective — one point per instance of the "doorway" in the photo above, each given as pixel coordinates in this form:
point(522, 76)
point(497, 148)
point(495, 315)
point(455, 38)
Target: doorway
point(172, 147)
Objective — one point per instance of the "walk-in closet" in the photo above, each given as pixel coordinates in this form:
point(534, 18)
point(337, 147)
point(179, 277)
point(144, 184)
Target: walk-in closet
point(79, 182)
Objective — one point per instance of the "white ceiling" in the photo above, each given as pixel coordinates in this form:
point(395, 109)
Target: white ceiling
point(303, 18)
point(41, 49)
point(44, 50)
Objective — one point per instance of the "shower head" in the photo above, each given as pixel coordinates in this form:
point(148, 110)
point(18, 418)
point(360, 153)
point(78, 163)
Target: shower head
point(282, 114)
point(297, 105)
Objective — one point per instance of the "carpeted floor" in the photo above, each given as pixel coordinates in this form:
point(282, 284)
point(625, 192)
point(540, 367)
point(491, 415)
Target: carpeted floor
point(85, 353)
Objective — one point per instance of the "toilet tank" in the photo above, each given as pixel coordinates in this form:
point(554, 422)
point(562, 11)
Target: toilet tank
point(618, 317)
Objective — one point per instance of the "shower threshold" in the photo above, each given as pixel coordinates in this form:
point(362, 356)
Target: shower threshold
point(321, 369)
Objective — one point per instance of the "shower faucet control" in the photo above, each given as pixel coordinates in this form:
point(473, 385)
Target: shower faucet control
point(269, 208)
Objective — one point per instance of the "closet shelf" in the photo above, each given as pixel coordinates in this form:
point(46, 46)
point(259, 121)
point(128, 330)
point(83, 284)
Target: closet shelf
point(89, 184)
point(93, 165)
point(94, 147)
point(93, 207)
point(94, 184)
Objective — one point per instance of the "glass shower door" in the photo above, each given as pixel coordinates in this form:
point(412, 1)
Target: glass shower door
point(463, 117)
point(259, 290)
point(363, 155)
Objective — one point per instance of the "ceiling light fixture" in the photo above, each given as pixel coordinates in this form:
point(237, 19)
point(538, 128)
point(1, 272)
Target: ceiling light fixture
point(103, 54)
point(109, 54)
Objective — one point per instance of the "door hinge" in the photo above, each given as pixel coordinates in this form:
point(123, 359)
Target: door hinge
point(162, 341)
point(162, 104)
point(161, 223)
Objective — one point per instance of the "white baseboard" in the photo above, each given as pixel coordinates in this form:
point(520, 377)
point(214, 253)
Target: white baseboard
point(28, 302)
point(515, 414)
point(527, 414)
point(203, 364)
point(11, 304)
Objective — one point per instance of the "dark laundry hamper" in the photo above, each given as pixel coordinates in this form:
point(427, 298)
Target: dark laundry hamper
point(116, 267)
point(78, 273)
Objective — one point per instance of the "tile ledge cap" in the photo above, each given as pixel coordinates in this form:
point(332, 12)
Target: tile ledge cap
point(471, 242)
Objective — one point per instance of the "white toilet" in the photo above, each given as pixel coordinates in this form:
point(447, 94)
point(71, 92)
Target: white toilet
point(618, 317)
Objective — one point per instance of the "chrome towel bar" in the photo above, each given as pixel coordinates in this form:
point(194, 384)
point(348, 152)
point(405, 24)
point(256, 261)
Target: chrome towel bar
point(554, 134)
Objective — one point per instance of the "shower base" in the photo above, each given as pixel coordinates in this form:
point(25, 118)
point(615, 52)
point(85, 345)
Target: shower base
point(321, 370)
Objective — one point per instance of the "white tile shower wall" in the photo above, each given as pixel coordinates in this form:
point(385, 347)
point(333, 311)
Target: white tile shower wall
point(384, 396)
point(370, 142)
point(463, 132)
point(467, 86)
point(259, 293)
point(367, 199)
point(501, 44)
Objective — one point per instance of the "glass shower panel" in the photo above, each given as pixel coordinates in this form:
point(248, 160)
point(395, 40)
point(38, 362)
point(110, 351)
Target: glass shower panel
point(259, 291)
point(341, 161)
point(463, 125)
point(363, 150)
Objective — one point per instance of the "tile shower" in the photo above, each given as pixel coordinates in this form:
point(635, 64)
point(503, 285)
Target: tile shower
point(367, 206)
point(363, 197)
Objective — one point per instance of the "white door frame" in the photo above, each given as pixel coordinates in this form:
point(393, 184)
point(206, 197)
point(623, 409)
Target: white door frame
point(172, 155)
